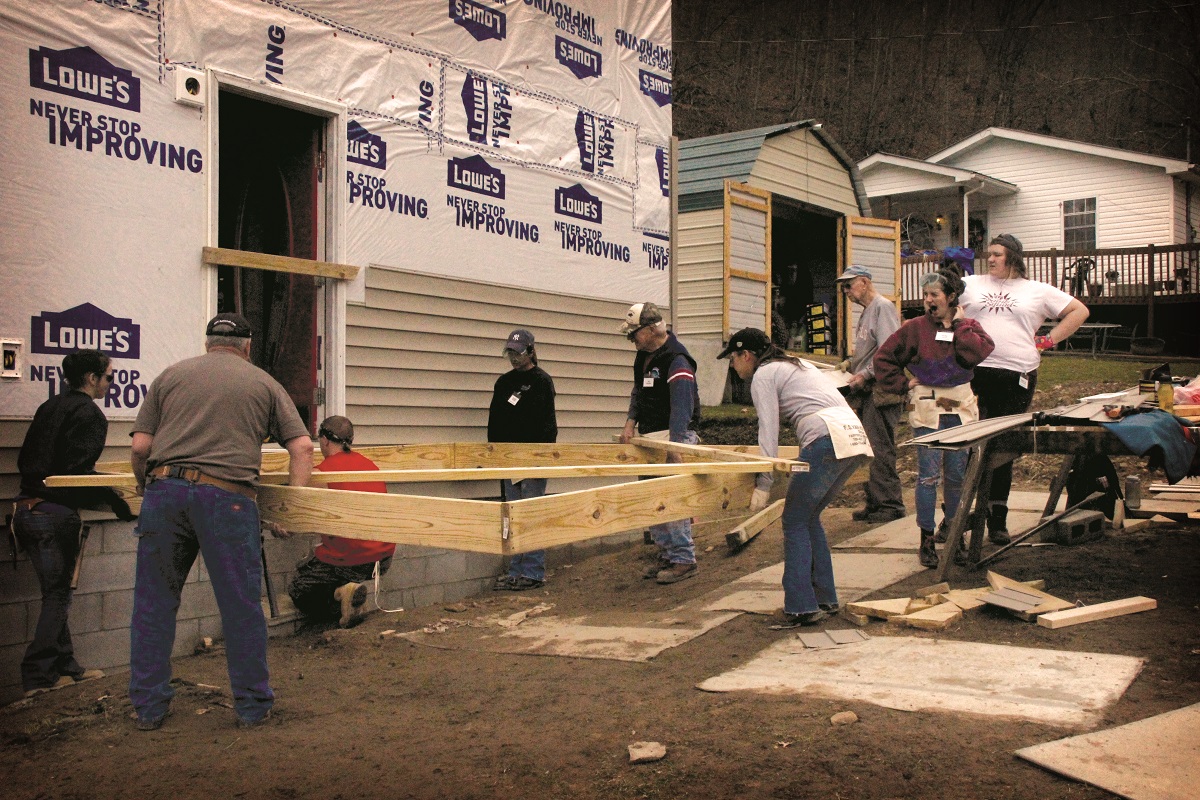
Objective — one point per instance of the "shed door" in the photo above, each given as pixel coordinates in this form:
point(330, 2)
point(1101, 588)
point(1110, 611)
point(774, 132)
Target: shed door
point(747, 293)
point(874, 244)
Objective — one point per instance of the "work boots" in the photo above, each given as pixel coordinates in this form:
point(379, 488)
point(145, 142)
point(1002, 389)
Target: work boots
point(928, 554)
point(997, 525)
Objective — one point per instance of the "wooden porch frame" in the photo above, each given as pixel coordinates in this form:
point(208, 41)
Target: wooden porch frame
point(710, 479)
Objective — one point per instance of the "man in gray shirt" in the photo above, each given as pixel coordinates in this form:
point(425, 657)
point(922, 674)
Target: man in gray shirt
point(879, 413)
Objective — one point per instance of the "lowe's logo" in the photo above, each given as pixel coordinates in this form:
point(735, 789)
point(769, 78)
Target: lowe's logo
point(475, 104)
point(82, 72)
point(84, 327)
point(664, 170)
point(596, 141)
point(576, 201)
point(364, 147)
point(656, 87)
point(474, 174)
point(582, 62)
point(478, 20)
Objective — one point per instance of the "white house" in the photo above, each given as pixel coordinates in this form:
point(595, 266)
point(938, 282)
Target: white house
point(1049, 192)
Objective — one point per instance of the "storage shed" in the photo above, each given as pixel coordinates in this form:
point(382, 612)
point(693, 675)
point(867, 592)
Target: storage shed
point(767, 218)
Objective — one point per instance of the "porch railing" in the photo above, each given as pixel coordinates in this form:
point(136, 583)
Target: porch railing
point(1117, 275)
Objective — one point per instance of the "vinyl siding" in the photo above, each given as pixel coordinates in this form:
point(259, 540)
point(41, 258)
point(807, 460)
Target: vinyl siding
point(1180, 217)
point(424, 351)
point(1133, 201)
point(699, 272)
point(886, 179)
point(800, 166)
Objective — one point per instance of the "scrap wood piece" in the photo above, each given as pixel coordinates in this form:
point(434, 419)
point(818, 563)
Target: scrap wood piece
point(937, 588)
point(880, 609)
point(1113, 608)
point(934, 618)
point(753, 526)
point(1048, 601)
point(831, 638)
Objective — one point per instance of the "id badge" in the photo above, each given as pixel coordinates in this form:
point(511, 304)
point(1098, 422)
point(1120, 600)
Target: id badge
point(944, 336)
point(1023, 381)
point(648, 382)
point(514, 398)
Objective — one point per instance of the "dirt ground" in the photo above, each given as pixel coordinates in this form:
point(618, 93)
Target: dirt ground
point(358, 715)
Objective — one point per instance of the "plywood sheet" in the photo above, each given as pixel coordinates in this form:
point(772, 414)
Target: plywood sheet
point(1152, 759)
point(911, 674)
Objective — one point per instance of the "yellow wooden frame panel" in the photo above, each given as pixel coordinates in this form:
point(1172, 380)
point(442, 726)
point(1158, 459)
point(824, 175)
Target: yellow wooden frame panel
point(731, 199)
point(228, 257)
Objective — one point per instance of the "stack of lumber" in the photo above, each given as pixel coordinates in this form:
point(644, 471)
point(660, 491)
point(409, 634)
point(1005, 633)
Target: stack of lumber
point(1190, 412)
point(937, 607)
point(1177, 502)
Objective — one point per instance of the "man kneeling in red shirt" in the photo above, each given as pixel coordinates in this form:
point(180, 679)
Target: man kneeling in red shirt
point(331, 584)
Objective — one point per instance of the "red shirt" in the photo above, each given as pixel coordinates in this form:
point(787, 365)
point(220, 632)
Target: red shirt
point(352, 552)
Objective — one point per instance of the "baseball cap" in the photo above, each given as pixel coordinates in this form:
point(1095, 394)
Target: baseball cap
point(228, 325)
point(337, 429)
point(750, 340)
point(519, 341)
point(1009, 241)
point(640, 315)
point(854, 271)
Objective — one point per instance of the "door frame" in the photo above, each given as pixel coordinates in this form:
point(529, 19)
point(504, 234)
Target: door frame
point(331, 204)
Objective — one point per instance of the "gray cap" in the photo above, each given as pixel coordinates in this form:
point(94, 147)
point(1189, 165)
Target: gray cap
point(855, 271)
point(519, 341)
point(1009, 241)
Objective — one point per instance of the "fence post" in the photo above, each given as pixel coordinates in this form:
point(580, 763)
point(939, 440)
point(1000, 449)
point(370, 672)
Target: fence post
point(1150, 301)
point(1053, 267)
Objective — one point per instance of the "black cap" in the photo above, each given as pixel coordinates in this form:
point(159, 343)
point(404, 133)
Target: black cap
point(519, 341)
point(1009, 241)
point(228, 325)
point(750, 340)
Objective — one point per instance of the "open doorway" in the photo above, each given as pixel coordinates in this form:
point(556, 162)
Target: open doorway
point(269, 201)
point(803, 272)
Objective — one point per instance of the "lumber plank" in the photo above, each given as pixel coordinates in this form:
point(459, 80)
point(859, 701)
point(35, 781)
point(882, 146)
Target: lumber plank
point(527, 454)
point(1113, 608)
point(1148, 508)
point(1049, 601)
point(227, 257)
point(715, 454)
point(934, 618)
point(543, 522)
point(880, 609)
point(937, 588)
point(743, 533)
point(472, 525)
point(520, 473)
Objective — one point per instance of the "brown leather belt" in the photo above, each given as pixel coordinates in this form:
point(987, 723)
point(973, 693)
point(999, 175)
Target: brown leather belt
point(193, 475)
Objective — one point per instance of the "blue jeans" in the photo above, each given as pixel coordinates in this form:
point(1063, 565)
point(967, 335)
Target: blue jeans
point(178, 520)
point(674, 539)
point(49, 535)
point(807, 564)
point(530, 565)
point(937, 466)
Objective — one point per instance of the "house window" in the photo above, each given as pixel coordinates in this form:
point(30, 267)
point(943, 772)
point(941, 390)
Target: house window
point(1079, 224)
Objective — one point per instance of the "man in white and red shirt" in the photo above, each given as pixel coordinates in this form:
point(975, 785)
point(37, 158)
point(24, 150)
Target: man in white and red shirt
point(331, 583)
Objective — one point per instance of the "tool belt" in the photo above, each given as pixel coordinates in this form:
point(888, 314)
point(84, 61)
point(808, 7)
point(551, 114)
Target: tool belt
point(26, 503)
point(193, 475)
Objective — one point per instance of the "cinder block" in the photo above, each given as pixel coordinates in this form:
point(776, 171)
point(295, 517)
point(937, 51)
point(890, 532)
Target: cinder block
point(118, 537)
point(1076, 528)
point(425, 596)
point(482, 565)
point(407, 574)
point(85, 614)
point(197, 600)
point(446, 568)
point(117, 610)
point(106, 572)
point(210, 626)
point(13, 623)
point(102, 649)
point(457, 591)
point(187, 634)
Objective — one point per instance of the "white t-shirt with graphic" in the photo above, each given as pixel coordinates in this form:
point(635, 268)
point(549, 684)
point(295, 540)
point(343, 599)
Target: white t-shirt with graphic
point(1011, 311)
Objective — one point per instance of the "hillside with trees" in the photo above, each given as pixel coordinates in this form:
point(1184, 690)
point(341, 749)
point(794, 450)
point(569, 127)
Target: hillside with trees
point(911, 77)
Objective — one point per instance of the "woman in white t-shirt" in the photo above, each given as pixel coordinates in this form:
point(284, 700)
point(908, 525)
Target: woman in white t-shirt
point(1011, 308)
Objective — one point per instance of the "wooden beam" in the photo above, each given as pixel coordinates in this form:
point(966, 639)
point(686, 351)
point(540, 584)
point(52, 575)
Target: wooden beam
point(227, 257)
point(520, 473)
point(542, 522)
point(521, 454)
point(472, 525)
point(1114, 608)
point(700, 451)
point(743, 533)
